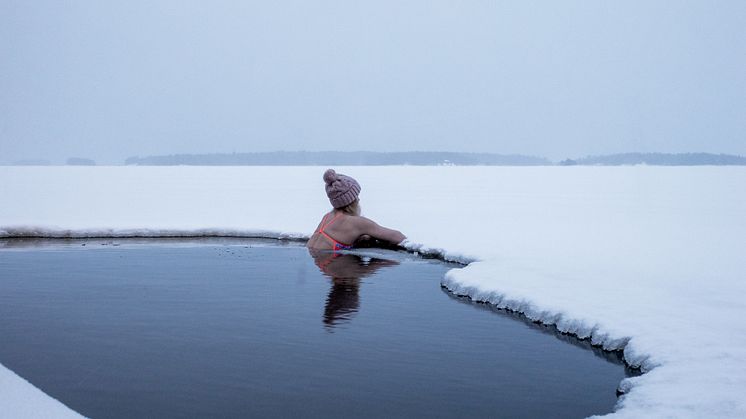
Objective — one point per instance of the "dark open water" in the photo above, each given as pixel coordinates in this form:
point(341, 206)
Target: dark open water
point(239, 328)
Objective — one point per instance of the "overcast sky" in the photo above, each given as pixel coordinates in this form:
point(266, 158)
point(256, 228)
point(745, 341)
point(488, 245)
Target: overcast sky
point(108, 80)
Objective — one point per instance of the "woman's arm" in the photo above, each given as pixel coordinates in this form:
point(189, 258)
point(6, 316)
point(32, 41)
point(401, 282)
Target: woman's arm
point(369, 227)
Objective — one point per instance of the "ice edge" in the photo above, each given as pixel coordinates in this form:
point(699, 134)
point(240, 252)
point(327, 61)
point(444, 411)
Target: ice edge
point(577, 328)
point(23, 232)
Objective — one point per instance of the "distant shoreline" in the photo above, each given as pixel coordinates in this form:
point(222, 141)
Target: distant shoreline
point(413, 158)
point(421, 158)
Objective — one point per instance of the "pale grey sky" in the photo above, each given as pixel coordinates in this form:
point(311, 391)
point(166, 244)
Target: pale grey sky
point(108, 80)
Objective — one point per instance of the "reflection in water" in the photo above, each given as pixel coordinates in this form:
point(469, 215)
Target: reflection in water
point(345, 270)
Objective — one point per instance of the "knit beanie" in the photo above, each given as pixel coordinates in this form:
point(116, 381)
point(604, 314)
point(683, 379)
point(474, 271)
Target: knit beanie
point(342, 190)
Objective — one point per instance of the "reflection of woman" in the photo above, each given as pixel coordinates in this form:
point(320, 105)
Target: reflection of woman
point(345, 271)
point(342, 302)
point(344, 227)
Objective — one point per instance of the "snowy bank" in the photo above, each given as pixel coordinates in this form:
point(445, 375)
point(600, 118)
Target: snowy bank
point(645, 259)
point(19, 399)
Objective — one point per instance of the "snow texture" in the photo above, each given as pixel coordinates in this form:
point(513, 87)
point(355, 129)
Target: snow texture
point(19, 399)
point(648, 260)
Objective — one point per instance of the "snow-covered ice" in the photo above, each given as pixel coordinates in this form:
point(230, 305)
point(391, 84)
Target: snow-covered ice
point(19, 399)
point(645, 259)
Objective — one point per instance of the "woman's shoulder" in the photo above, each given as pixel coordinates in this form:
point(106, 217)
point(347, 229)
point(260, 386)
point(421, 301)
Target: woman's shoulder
point(361, 223)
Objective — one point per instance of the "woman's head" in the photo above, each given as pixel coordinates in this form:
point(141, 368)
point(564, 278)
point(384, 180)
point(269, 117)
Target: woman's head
point(342, 190)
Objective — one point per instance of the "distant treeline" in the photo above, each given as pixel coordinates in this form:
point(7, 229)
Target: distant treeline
point(426, 158)
point(80, 161)
point(413, 158)
point(340, 158)
point(72, 161)
point(659, 159)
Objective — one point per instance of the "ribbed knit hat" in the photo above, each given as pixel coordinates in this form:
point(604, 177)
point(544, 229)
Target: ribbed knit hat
point(342, 190)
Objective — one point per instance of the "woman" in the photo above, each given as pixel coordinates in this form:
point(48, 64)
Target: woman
point(344, 227)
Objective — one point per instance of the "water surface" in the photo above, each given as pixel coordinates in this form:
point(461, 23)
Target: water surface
point(239, 328)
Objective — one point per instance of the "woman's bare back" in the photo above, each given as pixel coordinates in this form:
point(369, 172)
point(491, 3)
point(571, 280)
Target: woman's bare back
point(347, 229)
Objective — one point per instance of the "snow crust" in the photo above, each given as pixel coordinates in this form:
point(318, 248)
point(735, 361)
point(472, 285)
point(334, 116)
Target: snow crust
point(19, 399)
point(648, 260)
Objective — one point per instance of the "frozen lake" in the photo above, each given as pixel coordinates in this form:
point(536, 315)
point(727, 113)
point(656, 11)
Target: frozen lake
point(239, 328)
point(648, 260)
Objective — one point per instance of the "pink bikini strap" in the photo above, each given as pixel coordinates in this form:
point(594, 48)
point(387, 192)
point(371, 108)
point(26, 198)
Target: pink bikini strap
point(325, 225)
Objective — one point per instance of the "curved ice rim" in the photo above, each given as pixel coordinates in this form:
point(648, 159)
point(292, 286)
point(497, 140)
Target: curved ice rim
point(573, 327)
point(22, 232)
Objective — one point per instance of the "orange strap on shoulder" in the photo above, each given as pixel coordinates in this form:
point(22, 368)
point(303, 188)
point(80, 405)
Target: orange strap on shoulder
point(325, 225)
point(323, 233)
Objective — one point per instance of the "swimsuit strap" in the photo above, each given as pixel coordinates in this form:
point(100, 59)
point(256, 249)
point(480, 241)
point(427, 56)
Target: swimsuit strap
point(338, 245)
point(325, 225)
